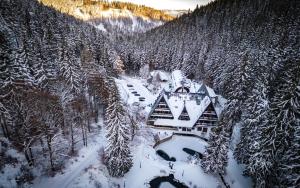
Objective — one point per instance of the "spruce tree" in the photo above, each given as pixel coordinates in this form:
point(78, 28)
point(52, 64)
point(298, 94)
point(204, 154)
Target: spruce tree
point(215, 158)
point(289, 170)
point(255, 115)
point(277, 135)
point(119, 159)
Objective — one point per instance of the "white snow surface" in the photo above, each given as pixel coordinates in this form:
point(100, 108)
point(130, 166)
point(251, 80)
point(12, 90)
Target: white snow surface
point(75, 168)
point(101, 27)
point(139, 87)
point(174, 147)
point(235, 177)
point(161, 74)
point(10, 171)
point(166, 185)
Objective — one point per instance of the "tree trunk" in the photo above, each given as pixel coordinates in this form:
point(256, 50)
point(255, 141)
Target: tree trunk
point(4, 128)
point(72, 138)
point(31, 156)
point(90, 111)
point(42, 146)
point(83, 134)
point(50, 152)
point(88, 122)
point(28, 156)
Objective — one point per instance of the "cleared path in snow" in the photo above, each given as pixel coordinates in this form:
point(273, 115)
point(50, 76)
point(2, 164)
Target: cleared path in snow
point(87, 156)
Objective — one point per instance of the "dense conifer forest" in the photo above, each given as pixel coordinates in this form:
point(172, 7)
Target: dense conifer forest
point(55, 73)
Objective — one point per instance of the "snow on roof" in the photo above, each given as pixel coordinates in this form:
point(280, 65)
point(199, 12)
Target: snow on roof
point(208, 91)
point(176, 103)
point(211, 92)
point(178, 79)
point(162, 75)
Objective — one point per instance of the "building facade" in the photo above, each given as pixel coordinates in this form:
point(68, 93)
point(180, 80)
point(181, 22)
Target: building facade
point(185, 107)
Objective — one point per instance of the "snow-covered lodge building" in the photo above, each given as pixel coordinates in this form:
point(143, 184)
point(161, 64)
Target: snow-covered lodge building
point(185, 107)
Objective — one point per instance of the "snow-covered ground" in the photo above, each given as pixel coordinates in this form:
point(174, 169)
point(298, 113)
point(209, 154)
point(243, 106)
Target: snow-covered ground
point(148, 165)
point(13, 169)
point(87, 170)
point(174, 147)
point(87, 157)
point(138, 86)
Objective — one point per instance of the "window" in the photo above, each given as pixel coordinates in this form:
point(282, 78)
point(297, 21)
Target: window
point(189, 130)
point(199, 129)
point(204, 129)
point(183, 129)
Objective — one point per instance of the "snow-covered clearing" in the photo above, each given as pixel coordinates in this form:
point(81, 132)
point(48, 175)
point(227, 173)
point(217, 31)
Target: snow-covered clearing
point(174, 147)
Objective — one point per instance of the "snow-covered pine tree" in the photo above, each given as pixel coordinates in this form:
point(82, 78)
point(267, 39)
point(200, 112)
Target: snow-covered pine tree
point(215, 158)
point(289, 169)
point(70, 71)
point(118, 65)
point(249, 147)
point(255, 114)
point(277, 135)
point(117, 151)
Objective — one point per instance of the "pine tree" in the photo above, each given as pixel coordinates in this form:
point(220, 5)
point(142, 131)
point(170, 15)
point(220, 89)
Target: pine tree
point(215, 158)
point(276, 140)
point(119, 159)
point(255, 115)
point(70, 71)
point(289, 169)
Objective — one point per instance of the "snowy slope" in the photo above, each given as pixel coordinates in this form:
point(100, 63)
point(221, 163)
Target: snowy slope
point(87, 156)
point(118, 21)
point(115, 19)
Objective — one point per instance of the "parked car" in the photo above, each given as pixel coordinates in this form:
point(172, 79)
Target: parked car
point(192, 152)
point(165, 156)
point(129, 85)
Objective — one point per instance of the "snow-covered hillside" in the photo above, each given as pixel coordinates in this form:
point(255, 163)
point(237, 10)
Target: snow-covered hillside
point(118, 20)
point(176, 13)
point(115, 19)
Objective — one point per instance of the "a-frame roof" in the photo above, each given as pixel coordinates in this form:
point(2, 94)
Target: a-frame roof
point(159, 99)
point(176, 102)
point(205, 90)
point(184, 111)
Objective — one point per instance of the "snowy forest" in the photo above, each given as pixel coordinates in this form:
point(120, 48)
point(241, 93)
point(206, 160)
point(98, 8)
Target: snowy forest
point(249, 52)
point(58, 80)
point(55, 73)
